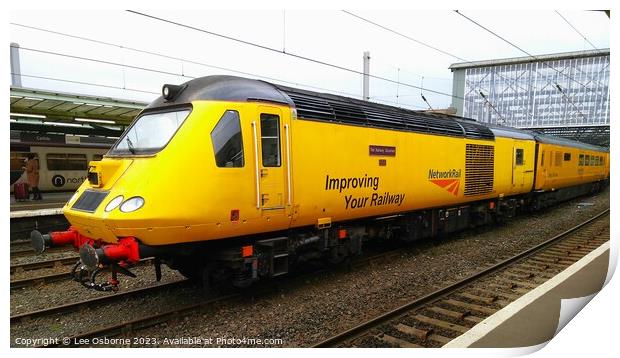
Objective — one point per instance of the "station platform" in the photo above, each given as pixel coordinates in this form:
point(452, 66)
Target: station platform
point(535, 318)
point(51, 204)
point(44, 215)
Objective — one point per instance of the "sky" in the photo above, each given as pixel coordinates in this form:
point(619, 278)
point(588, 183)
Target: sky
point(332, 36)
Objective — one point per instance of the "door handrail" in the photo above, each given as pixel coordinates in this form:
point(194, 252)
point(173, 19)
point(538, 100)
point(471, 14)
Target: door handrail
point(257, 174)
point(288, 163)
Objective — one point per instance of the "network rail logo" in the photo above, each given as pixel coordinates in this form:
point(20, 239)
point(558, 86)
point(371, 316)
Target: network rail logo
point(447, 179)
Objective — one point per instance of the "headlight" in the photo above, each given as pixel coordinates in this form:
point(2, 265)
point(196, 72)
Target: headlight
point(114, 203)
point(132, 204)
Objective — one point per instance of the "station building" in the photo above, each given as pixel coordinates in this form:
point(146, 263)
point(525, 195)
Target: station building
point(563, 94)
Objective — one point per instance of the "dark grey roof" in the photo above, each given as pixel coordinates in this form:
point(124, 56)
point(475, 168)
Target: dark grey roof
point(568, 142)
point(510, 132)
point(325, 107)
point(225, 88)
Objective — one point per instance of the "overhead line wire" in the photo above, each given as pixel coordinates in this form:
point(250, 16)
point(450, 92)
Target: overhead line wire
point(574, 28)
point(301, 57)
point(179, 59)
point(436, 49)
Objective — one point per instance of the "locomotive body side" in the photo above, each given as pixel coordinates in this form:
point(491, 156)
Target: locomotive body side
point(344, 172)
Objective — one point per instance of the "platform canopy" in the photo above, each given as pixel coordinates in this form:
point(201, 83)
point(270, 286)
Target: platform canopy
point(66, 107)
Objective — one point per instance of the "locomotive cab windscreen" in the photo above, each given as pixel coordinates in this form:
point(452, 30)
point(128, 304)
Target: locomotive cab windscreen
point(150, 132)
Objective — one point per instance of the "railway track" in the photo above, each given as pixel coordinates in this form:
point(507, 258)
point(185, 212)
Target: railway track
point(95, 302)
point(439, 317)
point(179, 312)
point(30, 266)
point(24, 251)
point(49, 278)
point(31, 281)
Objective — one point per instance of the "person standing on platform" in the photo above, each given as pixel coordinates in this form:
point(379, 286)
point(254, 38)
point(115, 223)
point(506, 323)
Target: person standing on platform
point(32, 173)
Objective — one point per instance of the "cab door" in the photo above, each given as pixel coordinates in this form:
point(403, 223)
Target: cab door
point(271, 138)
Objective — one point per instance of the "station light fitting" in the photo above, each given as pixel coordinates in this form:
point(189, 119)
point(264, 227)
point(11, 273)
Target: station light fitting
point(95, 120)
point(27, 115)
point(64, 124)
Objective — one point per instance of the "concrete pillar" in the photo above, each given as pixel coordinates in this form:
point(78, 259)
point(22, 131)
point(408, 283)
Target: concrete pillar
point(16, 78)
point(366, 90)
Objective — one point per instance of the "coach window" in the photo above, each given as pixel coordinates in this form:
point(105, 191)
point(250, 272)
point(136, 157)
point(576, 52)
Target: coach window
point(587, 160)
point(270, 139)
point(591, 160)
point(60, 161)
point(519, 157)
point(567, 157)
point(580, 160)
point(227, 141)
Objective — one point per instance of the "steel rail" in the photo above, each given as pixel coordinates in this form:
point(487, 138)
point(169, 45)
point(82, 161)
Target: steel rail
point(15, 253)
point(97, 301)
point(44, 264)
point(53, 277)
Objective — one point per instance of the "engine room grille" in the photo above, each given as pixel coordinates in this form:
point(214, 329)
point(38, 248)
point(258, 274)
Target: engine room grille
point(479, 162)
point(338, 109)
point(89, 200)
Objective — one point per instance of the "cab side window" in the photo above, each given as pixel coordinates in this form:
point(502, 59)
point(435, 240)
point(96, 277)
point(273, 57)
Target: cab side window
point(227, 141)
point(270, 139)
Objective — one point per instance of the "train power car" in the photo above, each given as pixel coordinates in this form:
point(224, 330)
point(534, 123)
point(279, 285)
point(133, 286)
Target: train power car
point(227, 178)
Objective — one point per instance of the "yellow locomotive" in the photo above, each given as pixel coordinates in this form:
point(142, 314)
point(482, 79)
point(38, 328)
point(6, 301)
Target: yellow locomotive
point(232, 178)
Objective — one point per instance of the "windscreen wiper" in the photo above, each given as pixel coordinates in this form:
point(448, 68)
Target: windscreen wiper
point(130, 146)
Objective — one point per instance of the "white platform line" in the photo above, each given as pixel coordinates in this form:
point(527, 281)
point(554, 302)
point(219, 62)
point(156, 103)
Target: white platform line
point(33, 213)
